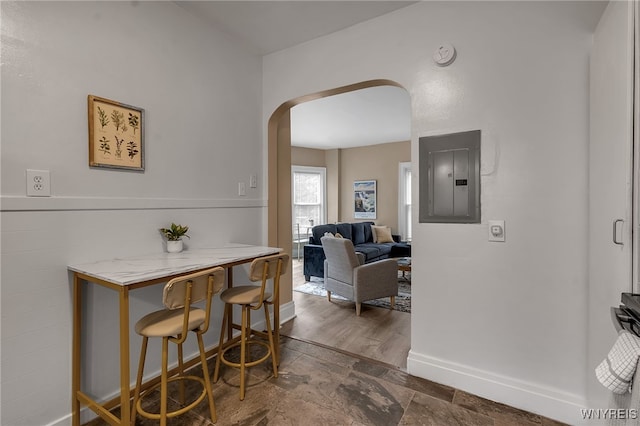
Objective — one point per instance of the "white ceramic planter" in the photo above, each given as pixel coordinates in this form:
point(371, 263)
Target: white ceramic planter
point(174, 246)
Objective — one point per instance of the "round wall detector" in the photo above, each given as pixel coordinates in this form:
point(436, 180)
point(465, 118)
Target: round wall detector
point(444, 55)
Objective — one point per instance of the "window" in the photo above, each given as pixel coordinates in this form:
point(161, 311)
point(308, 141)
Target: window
point(404, 201)
point(308, 199)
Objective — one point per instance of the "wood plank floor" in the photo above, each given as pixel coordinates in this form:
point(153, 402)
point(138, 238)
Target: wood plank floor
point(378, 333)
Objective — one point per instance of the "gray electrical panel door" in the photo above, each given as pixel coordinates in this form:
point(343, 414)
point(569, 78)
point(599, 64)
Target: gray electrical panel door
point(450, 178)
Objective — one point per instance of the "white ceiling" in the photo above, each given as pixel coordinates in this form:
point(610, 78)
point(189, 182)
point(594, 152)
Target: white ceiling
point(268, 26)
point(365, 117)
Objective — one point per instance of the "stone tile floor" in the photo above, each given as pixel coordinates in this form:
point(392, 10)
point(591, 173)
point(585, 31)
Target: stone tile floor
point(317, 385)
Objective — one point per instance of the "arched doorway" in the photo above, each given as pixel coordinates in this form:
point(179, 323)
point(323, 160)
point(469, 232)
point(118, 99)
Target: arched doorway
point(279, 219)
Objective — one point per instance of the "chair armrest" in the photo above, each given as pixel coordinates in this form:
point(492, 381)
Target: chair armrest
point(378, 267)
point(361, 257)
point(375, 280)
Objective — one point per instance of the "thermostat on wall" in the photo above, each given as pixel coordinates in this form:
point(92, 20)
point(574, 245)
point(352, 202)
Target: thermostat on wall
point(444, 55)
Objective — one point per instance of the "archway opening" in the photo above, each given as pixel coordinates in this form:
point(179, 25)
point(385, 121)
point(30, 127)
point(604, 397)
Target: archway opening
point(279, 220)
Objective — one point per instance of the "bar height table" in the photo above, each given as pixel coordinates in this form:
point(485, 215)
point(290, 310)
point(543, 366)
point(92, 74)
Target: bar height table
point(125, 274)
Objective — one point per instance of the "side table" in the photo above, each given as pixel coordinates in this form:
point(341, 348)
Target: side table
point(404, 265)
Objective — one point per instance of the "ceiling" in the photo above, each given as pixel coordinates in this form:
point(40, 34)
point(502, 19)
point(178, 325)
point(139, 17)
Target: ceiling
point(365, 117)
point(369, 116)
point(268, 26)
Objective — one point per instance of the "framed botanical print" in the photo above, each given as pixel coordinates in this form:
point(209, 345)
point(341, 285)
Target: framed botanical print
point(116, 135)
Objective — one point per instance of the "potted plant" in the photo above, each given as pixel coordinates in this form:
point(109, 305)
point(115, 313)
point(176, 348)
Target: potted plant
point(174, 236)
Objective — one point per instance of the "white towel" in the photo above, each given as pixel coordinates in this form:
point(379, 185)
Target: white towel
point(618, 368)
point(629, 403)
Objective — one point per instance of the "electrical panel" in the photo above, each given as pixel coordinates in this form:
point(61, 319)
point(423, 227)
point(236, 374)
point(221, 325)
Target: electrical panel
point(450, 178)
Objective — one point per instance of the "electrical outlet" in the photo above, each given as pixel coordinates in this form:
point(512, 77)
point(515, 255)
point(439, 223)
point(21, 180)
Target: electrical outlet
point(242, 188)
point(38, 183)
point(253, 181)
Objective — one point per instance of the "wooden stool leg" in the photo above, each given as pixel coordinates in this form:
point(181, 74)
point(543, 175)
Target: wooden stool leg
point(274, 354)
point(243, 349)
point(181, 372)
point(248, 336)
point(163, 381)
point(136, 394)
point(216, 373)
point(207, 379)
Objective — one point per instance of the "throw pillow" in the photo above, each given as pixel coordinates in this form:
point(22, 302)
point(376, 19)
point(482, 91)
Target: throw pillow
point(358, 235)
point(381, 234)
point(338, 235)
point(374, 231)
point(329, 234)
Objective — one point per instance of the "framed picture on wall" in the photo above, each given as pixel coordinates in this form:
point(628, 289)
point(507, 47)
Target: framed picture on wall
point(116, 135)
point(364, 197)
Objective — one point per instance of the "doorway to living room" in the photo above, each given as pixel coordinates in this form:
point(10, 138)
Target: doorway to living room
point(379, 333)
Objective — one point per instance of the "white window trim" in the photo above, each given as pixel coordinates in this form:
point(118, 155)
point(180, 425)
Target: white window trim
point(402, 222)
point(323, 172)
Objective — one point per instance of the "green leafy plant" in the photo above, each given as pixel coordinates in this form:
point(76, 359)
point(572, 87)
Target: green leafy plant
point(102, 117)
point(117, 118)
point(131, 147)
point(104, 146)
point(133, 122)
point(175, 232)
point(119, 146)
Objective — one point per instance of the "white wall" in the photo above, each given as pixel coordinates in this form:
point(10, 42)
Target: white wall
point(610, 180)
point(502, 320)
point(202, 96)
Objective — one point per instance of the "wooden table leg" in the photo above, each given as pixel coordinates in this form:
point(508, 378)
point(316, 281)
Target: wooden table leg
point(76, 350)
point(125, 409)
point(276, 325)
point(230, 317)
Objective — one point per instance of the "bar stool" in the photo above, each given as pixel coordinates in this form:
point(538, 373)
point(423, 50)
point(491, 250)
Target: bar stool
point(173, 324)
point(253, 297)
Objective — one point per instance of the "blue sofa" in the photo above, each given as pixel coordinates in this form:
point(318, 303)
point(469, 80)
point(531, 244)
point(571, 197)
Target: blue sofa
point(362, 237)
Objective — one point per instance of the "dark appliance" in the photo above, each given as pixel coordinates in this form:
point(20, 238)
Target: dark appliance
point(627, 315)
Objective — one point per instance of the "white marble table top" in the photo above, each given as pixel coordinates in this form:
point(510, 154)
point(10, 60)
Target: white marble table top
point(132, 270)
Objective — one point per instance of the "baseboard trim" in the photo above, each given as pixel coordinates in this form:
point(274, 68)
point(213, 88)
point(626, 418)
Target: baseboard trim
point(547, 402)
point(287, 312)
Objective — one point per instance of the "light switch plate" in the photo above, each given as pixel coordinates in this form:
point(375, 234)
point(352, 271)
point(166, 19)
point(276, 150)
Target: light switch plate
point(496, 230)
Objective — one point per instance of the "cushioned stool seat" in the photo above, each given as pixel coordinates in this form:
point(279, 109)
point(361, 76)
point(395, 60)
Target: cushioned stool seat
point(169, 323)
point(243, 295)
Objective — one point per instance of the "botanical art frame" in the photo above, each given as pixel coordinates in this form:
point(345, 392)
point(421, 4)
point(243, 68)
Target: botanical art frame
point(116, 135)
point(364, 197)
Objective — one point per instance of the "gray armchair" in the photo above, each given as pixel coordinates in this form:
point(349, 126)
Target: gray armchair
point(346, 275)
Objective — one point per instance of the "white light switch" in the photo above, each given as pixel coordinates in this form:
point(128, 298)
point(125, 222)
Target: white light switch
point(496, 230)
point(242, 188)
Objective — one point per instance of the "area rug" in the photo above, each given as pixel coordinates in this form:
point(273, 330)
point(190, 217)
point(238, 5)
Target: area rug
point(403, 299)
